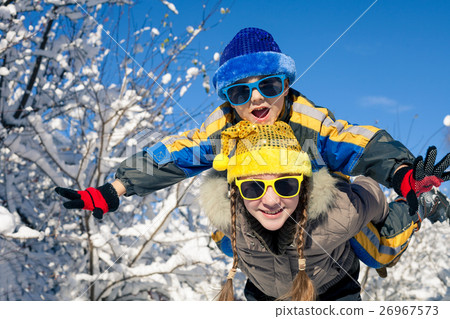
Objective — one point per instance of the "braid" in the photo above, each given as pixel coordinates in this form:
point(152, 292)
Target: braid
point(234, 203)
point(227, 294)
point(302, 286)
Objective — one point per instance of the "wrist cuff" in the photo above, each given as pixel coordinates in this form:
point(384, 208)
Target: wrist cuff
point(398, 178)
point(110, 195)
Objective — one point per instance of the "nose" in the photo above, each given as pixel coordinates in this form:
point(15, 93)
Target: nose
point(256, 96)
point(271, 199)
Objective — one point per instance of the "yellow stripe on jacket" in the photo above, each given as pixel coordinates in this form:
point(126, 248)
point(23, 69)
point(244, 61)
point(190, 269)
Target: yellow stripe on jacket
point(383, 249)
point(215, 122)
point(318, 119)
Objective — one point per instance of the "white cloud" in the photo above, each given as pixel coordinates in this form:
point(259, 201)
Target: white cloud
point(384, 103)
point(377, 101)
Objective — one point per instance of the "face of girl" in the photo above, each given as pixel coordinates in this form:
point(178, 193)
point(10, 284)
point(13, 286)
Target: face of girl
point(271, 210)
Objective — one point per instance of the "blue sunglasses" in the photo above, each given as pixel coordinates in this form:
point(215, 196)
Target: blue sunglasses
point(271, 86)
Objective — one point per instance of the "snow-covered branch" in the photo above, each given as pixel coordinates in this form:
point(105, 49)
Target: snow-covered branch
point(78, 94)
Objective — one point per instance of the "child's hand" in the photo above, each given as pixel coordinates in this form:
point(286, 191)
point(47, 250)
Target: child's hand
point(411, 182)
point(98, 200)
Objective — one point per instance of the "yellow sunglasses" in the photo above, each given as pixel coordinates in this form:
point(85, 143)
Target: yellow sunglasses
point(253, 189)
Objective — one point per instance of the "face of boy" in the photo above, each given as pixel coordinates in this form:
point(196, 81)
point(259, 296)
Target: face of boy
point(259, 109)
point(271, 210)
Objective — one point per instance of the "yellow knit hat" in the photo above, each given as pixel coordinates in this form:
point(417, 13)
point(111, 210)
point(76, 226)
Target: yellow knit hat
point(261, 149)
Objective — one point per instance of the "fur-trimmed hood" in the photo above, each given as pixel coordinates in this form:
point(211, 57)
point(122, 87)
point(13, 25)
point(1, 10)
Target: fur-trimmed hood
point(215, 202)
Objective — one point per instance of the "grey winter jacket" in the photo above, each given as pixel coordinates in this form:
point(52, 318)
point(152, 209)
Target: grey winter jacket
point(337, 211)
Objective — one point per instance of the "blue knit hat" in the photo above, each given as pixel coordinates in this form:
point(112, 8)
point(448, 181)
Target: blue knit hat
point(252, 52)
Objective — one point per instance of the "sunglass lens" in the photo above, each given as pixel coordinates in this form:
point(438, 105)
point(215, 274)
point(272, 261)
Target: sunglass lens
point(238, 94)
point(252, 189)
point(271, 86)
point(287, 186)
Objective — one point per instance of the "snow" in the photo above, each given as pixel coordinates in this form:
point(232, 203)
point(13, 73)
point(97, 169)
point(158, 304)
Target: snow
point(3, 44)
point(57, 124)
point(7, 223)
point(169, 111)
point(154, 32)
point(197, 250)
point(26, 233)
point(4, 71)
point(183, 90)
point(7, 12)
point(56, 2)
point(192, 72)
point(171, 6)
point(206, 84)
point(447, 120)
point(166, 78)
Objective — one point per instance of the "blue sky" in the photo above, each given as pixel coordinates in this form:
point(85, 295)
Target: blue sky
point(391, 69)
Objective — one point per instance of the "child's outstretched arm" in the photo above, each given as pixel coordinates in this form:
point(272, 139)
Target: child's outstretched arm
point(168, 162)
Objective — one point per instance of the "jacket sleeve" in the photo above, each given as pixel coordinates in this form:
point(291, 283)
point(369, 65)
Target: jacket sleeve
point(354, 206)
point(381, 157)
point(346, 148)
point(175, 157)
point(361, 150)
point(369, 203)
point(141, 174)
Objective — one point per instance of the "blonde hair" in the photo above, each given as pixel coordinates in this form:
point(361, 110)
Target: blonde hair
point(302, 286)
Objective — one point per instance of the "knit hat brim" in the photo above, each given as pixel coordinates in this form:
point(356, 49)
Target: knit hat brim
point(253, 64)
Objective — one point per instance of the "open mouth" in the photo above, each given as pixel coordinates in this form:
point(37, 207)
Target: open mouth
point(261, 113)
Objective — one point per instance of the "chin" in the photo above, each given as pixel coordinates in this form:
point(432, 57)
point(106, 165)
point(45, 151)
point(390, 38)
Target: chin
point(272, 227)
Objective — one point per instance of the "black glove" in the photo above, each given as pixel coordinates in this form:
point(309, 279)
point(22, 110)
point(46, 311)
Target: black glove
point(98, 200)
point(411, 182)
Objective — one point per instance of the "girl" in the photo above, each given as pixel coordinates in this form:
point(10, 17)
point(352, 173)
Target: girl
point(289, 228)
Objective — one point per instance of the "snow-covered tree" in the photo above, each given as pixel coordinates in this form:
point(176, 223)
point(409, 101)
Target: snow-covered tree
point(79, 92)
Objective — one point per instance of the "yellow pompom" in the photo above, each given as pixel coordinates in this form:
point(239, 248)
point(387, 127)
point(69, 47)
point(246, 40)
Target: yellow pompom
point(220, 162)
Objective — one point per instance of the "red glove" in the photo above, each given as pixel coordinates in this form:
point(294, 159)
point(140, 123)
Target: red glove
point(98, 200)
point(411, 182)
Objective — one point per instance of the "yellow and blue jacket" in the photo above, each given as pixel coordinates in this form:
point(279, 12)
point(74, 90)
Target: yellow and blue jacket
point(346, 149)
